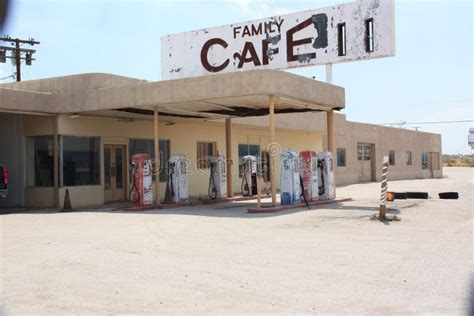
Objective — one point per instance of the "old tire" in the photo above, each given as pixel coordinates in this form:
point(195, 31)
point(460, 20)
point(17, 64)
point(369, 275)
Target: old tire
point(417, 195)
point(400, 195)
point(449, 195)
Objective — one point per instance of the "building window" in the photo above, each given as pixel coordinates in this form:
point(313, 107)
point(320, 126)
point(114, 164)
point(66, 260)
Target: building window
point(39, 161)
point(363, 151)
point(341, 157)
point(425, 161)
point(205, 149)
point(369, 35)
point(391, 157)
point(247, 150)
point(341, 39)
point(147, 146)
point(408, 158)
point(80, 161)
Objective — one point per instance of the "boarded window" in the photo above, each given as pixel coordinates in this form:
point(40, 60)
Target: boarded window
point(341, 157)
point(425, 161)
point(408, 159)
point(204, 150)
point(391, 157)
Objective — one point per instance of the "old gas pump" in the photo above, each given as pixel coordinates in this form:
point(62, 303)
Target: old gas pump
point(290, 187)
point(217, 177)
point(326, 176)
point(249, 176)
point(141, 193)
point(309, 175)
point(178, 178)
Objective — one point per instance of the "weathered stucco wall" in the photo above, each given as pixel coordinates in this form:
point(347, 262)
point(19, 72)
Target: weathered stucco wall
point(184, 135)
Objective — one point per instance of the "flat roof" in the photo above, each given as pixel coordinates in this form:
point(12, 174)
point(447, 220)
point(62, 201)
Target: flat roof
point(237, 94)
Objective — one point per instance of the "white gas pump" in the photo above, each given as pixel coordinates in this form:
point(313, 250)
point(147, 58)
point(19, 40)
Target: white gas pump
point(249, 176)
point(290, 186)
point(217, 178)
point(309, 175)
point(326, 176)
point(178, 178)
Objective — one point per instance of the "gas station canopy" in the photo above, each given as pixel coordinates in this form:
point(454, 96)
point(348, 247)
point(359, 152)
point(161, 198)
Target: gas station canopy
point(238, 94)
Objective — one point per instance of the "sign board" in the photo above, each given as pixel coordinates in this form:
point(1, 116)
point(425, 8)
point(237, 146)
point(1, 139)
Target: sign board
point(341, 33)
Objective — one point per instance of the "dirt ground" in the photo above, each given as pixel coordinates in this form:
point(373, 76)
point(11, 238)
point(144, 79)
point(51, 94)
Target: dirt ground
point(219, 259)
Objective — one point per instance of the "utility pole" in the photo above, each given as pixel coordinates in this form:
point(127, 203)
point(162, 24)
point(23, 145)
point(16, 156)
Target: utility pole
point(17, 51)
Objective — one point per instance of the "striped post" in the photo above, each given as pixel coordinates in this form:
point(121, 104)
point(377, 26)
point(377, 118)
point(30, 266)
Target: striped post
point(383, 189)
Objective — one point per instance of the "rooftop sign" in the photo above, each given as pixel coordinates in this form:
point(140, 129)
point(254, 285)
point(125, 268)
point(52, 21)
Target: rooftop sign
point(342, 33)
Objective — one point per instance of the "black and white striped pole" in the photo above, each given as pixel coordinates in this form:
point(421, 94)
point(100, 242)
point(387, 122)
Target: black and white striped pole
point(383, 189)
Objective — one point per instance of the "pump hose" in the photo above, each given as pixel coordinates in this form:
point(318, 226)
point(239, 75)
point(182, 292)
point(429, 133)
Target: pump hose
point(212, 190)
point(302, 192)
point(131, 190)
point(170, 179)
point(245, 182)
point(321, 187)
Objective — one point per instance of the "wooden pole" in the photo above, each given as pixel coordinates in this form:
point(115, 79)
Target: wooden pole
point(228, 153)
point(157, 155)
point(383, 189)
point(330, 132)
point(272, 142)
point(56, 161)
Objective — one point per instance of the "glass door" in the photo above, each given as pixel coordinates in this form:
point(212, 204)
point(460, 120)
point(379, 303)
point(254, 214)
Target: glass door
point(114, 173)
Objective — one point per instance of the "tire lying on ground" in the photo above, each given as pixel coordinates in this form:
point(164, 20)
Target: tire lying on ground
point(449, 195)
point(400, 195)
point(417, 195)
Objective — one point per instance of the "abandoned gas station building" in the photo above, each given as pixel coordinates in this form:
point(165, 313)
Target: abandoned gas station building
point(79, 132)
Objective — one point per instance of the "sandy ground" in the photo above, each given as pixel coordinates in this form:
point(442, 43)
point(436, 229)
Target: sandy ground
point(218, 259)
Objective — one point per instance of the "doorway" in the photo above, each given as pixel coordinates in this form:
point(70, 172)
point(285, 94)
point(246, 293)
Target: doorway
point(365, 162)
point(114, 173)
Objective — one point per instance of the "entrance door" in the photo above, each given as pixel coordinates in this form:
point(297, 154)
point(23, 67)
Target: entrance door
point(114, 169)
point(364, 161)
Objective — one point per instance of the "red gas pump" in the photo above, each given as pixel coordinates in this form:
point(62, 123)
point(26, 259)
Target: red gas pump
point(141, 193)
point(309, 175)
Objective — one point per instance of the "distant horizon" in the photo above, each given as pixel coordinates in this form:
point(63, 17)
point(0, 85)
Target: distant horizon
point(425, 82)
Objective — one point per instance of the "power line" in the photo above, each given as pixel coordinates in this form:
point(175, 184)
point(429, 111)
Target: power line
point(16, 52)
point(433, 122)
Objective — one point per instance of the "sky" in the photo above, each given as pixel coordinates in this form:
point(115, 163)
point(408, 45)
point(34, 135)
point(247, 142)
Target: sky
point(429, 80)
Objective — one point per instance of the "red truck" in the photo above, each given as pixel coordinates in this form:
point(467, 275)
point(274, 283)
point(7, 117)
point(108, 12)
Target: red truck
point(3, 181)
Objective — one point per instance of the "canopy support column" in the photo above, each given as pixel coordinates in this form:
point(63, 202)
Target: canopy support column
point(228, 154)
point(157, 155)
point(272, 144)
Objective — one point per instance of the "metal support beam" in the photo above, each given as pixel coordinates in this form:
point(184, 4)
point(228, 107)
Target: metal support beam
point(157, 155)
point(272, 143)
point(228, 155)
point(56, 160)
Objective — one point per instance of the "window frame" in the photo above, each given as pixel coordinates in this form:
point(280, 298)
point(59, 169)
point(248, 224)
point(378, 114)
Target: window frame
point(27, 170)
point(408, 158)
point(425, 163)
point(391, 158)
point(339, 150)
point(163, 175)
point(369, 35)
point(258, 155)
point(61, 160)
point(362, 153)
point(201, 162)
point(341, 40)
